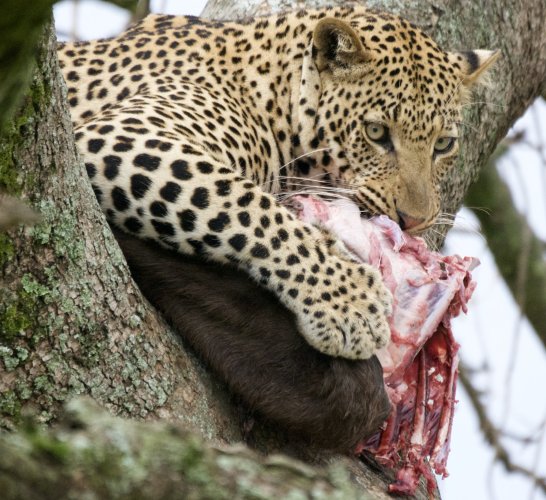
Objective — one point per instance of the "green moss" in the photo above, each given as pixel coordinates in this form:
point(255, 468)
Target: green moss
point(12, 358)
point(42, 233)
point(63, 236)
point(10, 361)
point(9, 180)
point(193, 460)
point(13, 137)
point(109, 464)
point(192, 454)
point(41, 383)
point(20, 37)
point(135, 321)
point(10, 405)
point(15, 318)
point(23, 390)
point(92, 342)
point(7, 249)
point(48, 446)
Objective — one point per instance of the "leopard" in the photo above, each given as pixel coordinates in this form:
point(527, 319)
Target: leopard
point(193, 132)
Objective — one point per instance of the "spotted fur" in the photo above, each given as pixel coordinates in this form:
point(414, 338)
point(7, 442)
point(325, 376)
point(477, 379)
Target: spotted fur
point(189, 130)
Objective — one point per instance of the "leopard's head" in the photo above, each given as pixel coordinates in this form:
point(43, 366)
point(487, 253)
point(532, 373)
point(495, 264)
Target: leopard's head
point(386, 103)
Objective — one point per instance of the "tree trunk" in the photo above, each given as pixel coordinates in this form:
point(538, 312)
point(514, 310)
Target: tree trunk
point(71, 319)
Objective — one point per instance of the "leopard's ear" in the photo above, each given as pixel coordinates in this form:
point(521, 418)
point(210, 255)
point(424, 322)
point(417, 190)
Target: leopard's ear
point(474, 64)
point(337, 47)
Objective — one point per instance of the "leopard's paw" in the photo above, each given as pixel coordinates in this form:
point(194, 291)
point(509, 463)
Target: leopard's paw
point(348, 319)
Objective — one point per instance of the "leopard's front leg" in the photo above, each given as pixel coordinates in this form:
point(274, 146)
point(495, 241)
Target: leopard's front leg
point(340, 305)
point(185, 199)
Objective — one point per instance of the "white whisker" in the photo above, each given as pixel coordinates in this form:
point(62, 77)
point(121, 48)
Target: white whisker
point(502, 107)
point(485, 210)
point(428, 241)
point(460, 223)
point(325, 194)
point(467, 125)
point(324, 189)
point(314, 179)
point(304, 155)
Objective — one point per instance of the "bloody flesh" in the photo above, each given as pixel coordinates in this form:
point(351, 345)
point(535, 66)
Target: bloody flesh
point(420, 362)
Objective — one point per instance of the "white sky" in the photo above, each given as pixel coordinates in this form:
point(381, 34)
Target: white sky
point(491, 336)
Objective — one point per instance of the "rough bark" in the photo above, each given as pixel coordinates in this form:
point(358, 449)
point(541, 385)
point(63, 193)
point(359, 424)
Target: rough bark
point(71, 319)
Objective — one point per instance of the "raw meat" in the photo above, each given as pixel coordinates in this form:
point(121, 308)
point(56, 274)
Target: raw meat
point(420, 362)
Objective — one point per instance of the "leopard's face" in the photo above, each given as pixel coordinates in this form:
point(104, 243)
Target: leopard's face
point(398, 146)
point(390, 111)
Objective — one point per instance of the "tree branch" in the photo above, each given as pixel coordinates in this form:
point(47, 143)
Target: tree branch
point(93, 454)
point(517, 251)
point(492, 433)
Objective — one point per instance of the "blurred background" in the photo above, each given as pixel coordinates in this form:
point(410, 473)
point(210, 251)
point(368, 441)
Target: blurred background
point(498, 447)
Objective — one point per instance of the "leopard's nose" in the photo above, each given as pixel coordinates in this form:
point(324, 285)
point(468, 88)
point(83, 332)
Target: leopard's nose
point(407, 222)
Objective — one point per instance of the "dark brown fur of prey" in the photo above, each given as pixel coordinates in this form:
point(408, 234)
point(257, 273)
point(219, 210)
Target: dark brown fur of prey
point(252, 343)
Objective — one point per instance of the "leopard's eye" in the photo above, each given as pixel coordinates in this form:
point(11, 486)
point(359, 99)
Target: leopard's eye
point(444, 144)
point(376, 132)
